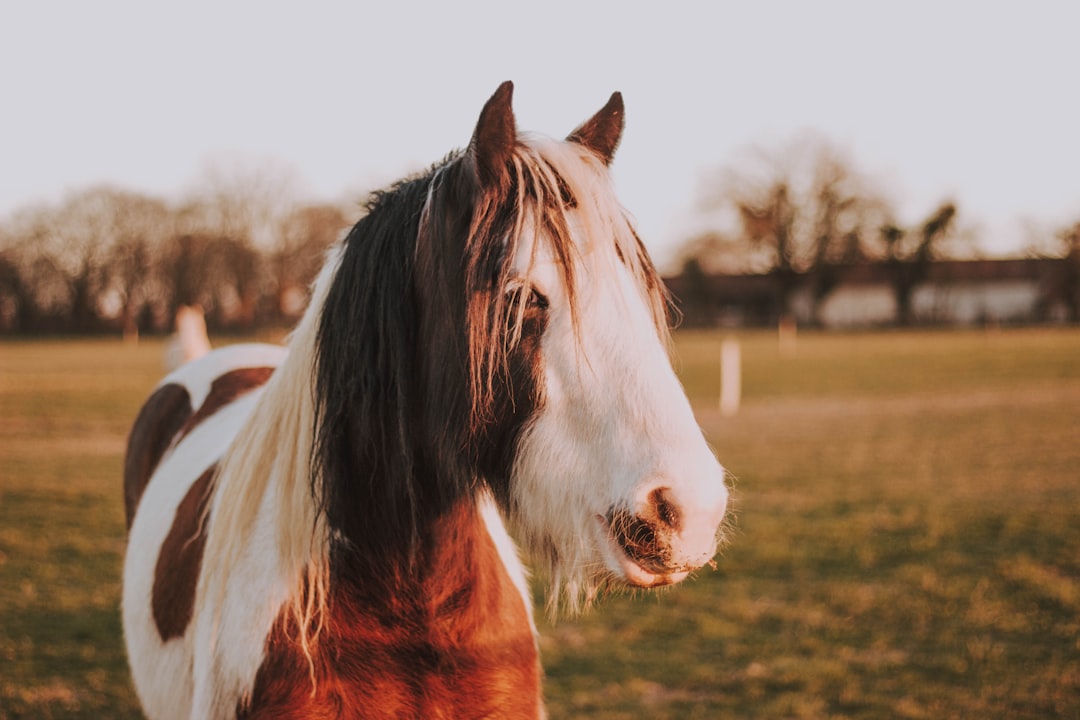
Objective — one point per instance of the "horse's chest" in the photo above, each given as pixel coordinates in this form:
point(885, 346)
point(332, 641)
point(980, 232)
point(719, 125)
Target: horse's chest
point(460, 644)
point(403, 684)
point(365, 671)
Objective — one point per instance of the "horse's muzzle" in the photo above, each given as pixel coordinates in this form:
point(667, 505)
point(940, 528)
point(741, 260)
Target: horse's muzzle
point(661, 540)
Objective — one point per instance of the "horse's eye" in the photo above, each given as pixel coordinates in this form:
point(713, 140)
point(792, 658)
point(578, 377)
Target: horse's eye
point(537, 300)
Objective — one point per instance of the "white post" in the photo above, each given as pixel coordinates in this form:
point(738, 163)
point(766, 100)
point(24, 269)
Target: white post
point(730, 377)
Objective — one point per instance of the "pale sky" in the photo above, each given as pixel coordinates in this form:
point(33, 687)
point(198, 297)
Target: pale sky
point(976, 101)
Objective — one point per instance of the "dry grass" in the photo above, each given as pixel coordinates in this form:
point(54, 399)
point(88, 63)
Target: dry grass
point(907, 539)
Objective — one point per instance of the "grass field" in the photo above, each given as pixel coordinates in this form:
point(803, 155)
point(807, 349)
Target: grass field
point(907, 541)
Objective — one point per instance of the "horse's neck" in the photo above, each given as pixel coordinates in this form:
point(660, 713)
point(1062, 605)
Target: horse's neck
point(443, 632)
point(455, 579)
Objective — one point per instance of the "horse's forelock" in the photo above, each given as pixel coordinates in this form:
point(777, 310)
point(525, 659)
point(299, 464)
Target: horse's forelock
point(548, 183)
point(536, 203)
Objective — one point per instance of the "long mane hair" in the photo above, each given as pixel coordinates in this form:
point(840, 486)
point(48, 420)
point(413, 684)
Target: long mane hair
point(405, 387)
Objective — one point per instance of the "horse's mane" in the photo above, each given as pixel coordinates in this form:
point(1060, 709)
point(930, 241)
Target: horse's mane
point(378, 418)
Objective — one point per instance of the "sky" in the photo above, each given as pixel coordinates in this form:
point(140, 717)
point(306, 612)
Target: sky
point(971, 101)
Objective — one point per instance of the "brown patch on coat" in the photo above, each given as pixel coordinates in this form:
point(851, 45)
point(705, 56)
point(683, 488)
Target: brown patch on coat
point(159, 420)
point(224, 390)
point(179, 561)
point(449, 638)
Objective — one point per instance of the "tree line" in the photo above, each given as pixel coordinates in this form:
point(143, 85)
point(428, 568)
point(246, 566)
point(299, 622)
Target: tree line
point(110, 260)
point(246, 250)
point(804, 216)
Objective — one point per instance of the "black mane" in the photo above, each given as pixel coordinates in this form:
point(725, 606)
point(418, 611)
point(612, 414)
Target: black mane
point(365, 461)
point(403, 430)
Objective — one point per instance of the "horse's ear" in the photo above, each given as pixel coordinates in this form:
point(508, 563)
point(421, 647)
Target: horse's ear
point(493, 140)
point(601, 133)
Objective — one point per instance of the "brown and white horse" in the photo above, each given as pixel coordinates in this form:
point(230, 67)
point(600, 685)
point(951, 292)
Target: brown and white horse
point(321, 531)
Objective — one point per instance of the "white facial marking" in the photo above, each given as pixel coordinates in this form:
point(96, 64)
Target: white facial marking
point(614, 426)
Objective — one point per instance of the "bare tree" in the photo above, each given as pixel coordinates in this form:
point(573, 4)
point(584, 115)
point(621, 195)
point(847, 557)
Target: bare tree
point(13, 287)
point(76, 240)
point(203, 268)
point(300, 248)
point(103, 258)
point(103, 241)
point(60, 255)
point(141, 228)
point(244, 198)
point(798, 213)
point(909, 253)
point(230, 224)
point(16, 305)
point(1068, 250)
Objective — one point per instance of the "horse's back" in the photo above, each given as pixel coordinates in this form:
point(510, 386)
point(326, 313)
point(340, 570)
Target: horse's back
point(181, 432)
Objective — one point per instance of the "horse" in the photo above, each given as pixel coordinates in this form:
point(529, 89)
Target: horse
point(332, 528)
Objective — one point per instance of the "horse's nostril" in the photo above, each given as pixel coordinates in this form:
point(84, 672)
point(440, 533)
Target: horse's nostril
point(637, 538)
point(667, 513)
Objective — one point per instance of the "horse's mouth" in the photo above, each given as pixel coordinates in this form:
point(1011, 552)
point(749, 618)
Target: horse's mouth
point(643, 572)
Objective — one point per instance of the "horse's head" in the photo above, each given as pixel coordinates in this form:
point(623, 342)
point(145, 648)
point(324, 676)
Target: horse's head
point(575, 417)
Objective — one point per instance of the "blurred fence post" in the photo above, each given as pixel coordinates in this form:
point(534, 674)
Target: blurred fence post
point(730, 377)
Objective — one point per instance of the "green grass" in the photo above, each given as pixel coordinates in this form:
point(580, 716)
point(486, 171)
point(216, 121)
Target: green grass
point(906, 544)
point(65, 408)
